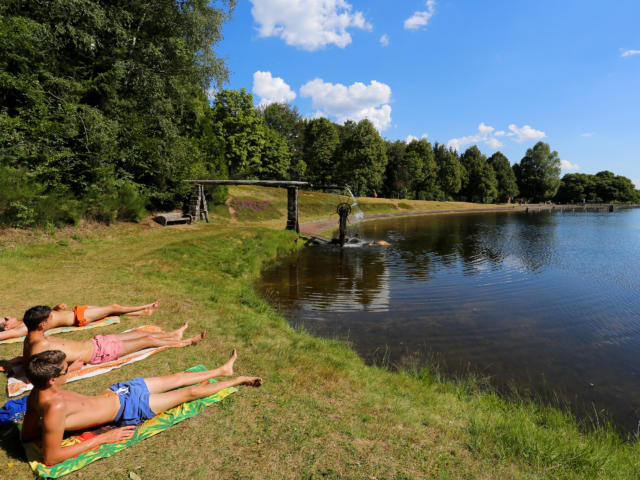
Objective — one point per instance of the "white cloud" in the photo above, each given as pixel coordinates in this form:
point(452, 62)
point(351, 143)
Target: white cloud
point(525, 133)
point(484, 135)
point(271, 89)
point(494, 143)
point(421, 19)
point(411, 138)
point(636, 182)
point(567, 166)
point(629, 53)
point(211, 92)
point(384, 40)
point(489, 136)
point(308, 24)
point(355, 102)
point(587, 134)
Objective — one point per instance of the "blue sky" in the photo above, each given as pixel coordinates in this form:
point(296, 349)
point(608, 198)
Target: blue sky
point(498, 74)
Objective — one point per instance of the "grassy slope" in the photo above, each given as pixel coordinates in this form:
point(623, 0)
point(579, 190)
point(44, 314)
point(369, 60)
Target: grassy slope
point(321, 413)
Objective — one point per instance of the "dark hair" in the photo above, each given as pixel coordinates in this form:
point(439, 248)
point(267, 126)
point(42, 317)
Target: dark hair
point(3, 324)
point(44, 366)
point(35, 316)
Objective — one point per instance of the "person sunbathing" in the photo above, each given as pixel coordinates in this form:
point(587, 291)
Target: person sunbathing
point(51, 410)
point(99, 349)
point(80, 315)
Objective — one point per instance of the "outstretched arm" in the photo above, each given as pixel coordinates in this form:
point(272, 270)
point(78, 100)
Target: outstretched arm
point(20, 331)
point(53, 431)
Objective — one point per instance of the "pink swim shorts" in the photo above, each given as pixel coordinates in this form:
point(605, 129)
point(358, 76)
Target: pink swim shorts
point(105, 348)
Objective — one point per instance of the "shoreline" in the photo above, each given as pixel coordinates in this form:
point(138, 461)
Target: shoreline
point(316, 227)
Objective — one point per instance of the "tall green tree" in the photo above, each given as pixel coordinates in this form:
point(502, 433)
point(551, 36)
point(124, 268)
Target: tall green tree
point(481, 184)
point(397, 179)
point(99, 95)
point(538, 173)
point(320, 144)
point(285, 119)
point(362, 157)
point(507, 183)
point(449, 171)
point(423, 170)
point(242, 130)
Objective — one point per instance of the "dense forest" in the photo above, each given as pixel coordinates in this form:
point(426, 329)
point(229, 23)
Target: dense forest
point(104, 110)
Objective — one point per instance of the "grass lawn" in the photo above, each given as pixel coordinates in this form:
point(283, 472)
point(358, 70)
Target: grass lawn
point(322, 413)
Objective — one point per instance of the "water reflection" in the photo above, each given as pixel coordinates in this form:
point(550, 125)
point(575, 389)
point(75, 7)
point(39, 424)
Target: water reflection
point(544, 301)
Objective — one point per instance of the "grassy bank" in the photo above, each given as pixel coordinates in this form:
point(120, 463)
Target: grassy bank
point(321, 413)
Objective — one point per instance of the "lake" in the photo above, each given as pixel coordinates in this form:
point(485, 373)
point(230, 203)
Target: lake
point(546, 302)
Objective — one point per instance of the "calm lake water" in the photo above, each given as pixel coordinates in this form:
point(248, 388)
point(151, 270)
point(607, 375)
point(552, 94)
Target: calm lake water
point(547, 302)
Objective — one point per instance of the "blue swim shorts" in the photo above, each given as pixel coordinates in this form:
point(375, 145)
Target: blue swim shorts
point(134, 402)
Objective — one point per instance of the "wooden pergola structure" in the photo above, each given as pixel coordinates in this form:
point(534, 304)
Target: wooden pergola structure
point(198, 209)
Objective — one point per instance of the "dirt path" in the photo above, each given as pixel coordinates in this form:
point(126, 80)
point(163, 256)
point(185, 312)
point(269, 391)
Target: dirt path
point(317, 226)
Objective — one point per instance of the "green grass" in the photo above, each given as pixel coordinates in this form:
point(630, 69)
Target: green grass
point(321, 413)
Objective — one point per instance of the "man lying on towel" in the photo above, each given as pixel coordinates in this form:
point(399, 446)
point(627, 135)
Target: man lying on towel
point(51, 410)
point(80, 315)
point(99, 349)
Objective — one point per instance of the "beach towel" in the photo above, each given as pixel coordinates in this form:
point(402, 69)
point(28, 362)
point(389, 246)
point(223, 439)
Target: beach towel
point(18, 384)
point(13, 411)
point(100, 323)
point(146, 429)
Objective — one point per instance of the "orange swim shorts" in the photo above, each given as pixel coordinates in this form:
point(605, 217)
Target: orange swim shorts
point(78, 312)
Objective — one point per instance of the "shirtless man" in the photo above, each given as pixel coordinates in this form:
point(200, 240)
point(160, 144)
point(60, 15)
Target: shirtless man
point(80, 315)
point(51, 410)
point(99, 349)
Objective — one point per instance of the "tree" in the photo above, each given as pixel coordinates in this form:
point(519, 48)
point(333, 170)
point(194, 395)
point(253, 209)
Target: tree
point(321, 141)
point(101, 97)
point(362, 156)
point(286, 120)
point(449, 171)
point(275, 160)
point(575, 188)
point(396, 178)
point(481, 183)
point(242, 131)
point(538, 173)
point(422, 169)
point(507, 183)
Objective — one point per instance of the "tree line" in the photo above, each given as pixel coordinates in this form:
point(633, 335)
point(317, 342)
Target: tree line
point(104, 111)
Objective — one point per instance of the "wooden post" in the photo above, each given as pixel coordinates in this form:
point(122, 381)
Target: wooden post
point(292, 209)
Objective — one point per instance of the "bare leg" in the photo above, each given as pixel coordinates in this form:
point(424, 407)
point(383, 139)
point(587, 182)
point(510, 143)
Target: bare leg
point(159, 402)
point(136, 344)
point(175, 335)
point(177, 380)
point(97, 313)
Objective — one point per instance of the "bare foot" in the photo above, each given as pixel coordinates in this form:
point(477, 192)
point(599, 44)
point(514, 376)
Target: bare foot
point(197, 339)
point(250, 381)
point(226, 370)
point(180, 331)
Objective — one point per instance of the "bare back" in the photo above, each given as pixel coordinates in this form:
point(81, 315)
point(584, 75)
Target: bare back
point(80, 411)
point(36, 342)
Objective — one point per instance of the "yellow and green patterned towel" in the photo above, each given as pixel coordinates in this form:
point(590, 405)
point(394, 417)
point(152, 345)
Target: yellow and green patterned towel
point(99, 323)
point(146, 429)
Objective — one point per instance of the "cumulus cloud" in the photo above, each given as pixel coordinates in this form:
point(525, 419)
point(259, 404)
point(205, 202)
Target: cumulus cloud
point(629, 53)
point(308, 24)
point(490, 136)
point(567, 166)
point(411, 138)
point(354, 102)
point(271, 89)
point(384, 40)
point(525, 133)
point(484, 135)
point(421, 19)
